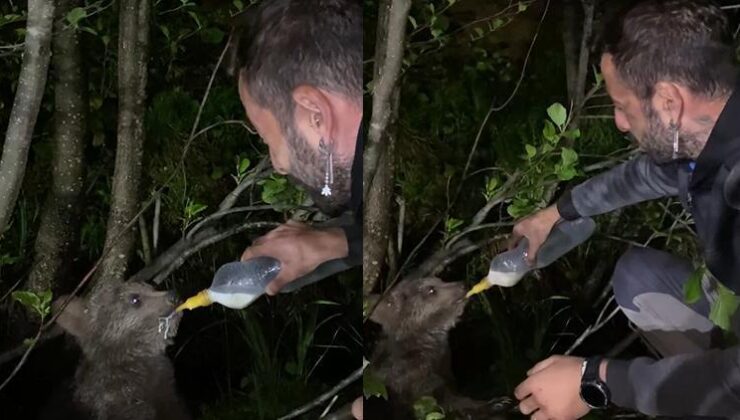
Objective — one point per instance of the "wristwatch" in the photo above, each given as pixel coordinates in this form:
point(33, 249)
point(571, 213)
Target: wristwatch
point(594, 391)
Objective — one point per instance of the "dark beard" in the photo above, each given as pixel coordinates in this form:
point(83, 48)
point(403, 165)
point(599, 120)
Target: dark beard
point(308, 172)
point(658, 141)
point(331, 206)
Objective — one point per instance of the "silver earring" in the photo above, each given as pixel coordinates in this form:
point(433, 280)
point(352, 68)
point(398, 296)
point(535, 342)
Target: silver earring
point(329, 170)
point(674, 127)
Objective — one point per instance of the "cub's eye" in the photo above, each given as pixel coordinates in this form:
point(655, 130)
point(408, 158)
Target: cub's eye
point(431, 291)
point(135, 300)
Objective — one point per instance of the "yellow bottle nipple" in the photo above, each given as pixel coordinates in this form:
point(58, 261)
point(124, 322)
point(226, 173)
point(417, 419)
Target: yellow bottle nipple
point(482, 285)
point(197, 301)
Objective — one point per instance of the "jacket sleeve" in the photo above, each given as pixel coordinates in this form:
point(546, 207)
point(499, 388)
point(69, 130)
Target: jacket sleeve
point(698, 384)
point(632, 182)
point(353, 232)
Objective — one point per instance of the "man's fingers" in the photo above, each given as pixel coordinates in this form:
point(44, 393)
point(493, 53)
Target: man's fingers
point(528, 406)
point(276, 284)
point(542, 365)
point(541, 414)
point(513, 240)
point(248, 254)
point(357, 408)
point(532, 249)
point(522, 391)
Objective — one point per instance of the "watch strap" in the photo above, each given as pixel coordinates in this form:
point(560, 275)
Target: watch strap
point(591, 370)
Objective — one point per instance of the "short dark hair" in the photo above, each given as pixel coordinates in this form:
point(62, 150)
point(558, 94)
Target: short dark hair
point(279, 45)
point(684, 41)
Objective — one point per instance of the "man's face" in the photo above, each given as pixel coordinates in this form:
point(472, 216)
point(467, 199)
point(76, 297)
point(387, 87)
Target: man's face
point(639, 118)
point(292, 155)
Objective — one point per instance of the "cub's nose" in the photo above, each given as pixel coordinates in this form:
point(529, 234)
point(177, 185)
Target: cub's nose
point(172, 296)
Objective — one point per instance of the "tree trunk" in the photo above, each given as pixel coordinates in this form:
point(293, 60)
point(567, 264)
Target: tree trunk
point(378, 162)
point(576, 36)
point(133, 45)
point(58, 232)
point(31, 84)
point(570, 46)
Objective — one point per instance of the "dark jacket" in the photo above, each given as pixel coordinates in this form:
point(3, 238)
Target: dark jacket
point(706, 384)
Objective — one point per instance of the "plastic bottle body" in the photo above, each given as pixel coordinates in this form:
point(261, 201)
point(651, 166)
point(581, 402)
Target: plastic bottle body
point(237, 284)
point(509, 267)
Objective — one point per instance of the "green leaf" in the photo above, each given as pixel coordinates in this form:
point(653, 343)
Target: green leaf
point(372, 386)
point(565, 173)
point(497, 23)
point(217, 173)
point(195, 18)
point(557, 114)
point(212, 35)
point(531, 151)
point(239, 5)
point(724, 307)
point(28, 342)
point(292, 368)
point(492, 184)
point(45, 298)
point(243, 165)
point(28, 299)
point(193, 209)
point(549, 132)
point(522, 7)
point(165, 31)
point(413, 22)
point(692, 288)
point(569, 156)
point(435, 416)
point(451, 224)
point(75, 16)
point(572, 134)
point(425, 406)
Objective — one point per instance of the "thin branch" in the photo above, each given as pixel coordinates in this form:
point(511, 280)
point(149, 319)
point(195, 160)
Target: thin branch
point(19, 350)
point(218, 215)
point(327, 395)
point(155, 222)
point(259, 172)
point(595, 327)
point(526, 60)
point(205, 242)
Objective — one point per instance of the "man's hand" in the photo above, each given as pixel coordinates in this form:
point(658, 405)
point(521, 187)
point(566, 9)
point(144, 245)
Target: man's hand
point(300, 249)
point(357, 409)
point(553, 389)
point(535, 228)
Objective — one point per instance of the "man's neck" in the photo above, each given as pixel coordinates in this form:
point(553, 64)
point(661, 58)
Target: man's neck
point(701, 125)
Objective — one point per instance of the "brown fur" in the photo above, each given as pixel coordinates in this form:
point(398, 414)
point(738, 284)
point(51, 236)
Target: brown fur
point(124, 372)
point(413, 357)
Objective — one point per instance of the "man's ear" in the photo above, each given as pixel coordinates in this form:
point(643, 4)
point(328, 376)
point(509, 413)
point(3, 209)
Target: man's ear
point(313, 111)
point(73, 318)
point(668, 101)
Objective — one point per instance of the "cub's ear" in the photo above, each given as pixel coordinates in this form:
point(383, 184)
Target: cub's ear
point(73, 318)
point(383, 310)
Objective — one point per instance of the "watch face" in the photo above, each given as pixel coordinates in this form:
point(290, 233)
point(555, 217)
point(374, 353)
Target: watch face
point(594, 395)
